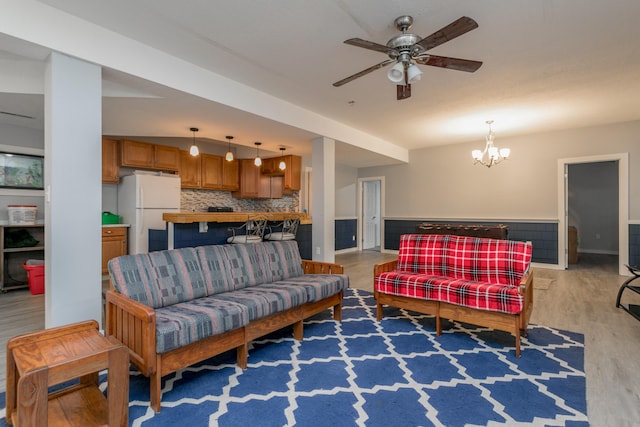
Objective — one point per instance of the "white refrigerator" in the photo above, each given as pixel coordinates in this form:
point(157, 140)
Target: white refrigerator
point(142, 199)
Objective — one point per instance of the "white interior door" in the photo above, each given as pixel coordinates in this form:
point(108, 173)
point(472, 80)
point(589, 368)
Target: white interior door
point(371, 214)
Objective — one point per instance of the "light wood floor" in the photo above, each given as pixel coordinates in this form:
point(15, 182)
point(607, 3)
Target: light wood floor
point(580, 299)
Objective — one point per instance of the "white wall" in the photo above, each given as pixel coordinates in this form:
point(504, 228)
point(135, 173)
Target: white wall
point(442, 182)
point(346, 180)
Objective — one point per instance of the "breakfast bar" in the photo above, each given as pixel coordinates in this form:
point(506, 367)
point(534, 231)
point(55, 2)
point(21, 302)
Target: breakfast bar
point(189, 229)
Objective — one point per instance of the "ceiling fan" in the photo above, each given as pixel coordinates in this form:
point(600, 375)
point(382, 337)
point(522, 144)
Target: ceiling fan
point(406, 49)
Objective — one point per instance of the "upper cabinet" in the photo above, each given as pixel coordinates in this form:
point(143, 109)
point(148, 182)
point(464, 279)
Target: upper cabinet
point(190, 170)
point(291, 173)
point(137, 154)
point(110, 169)
point(230, 175)
point(209, 172)
point(256, 185)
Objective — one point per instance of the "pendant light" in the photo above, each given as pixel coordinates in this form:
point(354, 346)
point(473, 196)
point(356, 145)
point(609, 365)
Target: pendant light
point(229, 156)
point(257, 161)
point(194, 151)
point(282, 166)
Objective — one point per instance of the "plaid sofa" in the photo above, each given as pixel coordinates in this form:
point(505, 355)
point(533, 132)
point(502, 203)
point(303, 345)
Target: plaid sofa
point(475, 280)
point(177, 307)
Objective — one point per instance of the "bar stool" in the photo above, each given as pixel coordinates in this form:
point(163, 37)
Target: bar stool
point(288, 229)
point(254, 230)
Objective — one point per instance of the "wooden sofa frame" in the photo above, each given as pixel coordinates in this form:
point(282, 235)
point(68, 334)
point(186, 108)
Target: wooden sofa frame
point(134, 325)
point(512, 323)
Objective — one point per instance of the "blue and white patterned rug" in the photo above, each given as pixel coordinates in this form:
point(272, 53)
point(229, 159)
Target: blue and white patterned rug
point(390, 373)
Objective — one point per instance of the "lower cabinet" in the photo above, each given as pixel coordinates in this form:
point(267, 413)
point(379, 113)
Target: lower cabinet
point(114, 244)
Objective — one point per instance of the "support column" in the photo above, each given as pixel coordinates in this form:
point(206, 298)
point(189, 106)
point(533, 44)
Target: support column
point(323, 163)
point(73, 190)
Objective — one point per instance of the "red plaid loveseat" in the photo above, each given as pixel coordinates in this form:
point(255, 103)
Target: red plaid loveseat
point(481, 281)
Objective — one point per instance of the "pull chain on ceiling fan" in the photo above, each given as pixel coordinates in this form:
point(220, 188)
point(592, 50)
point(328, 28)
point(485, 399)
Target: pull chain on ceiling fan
point(407, 49)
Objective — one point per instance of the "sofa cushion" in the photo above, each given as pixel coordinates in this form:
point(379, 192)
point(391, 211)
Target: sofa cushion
point(263, 300)
point(179, 275)
point(247, 266)
point(133, 276)
point(216, 269)
point(184, 323)
point(483, 296)
point(480, 295)
point(423, 253)
point(406, 284)
point(494, 261)
point(283, 259)
point(318, 286)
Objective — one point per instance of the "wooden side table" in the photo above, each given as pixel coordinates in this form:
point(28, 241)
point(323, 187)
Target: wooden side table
point(42, 359)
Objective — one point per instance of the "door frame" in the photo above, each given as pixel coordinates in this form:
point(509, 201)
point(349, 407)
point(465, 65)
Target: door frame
point(360, 210)
point(623, 206)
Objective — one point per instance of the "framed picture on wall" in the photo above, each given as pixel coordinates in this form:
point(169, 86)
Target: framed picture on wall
point(24, 171)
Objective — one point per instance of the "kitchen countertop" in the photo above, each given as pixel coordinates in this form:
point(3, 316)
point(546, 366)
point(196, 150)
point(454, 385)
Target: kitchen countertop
point(115, 225)
point(191, 217)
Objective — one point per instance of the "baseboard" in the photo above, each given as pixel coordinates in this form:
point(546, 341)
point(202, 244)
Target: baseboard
point(346, 251)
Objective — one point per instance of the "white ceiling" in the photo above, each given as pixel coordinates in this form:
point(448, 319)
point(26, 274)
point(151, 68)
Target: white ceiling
point(547, 65)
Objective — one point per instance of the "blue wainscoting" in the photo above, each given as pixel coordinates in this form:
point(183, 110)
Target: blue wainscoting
point(346, 233)
point(543, 235)
point(634, 244)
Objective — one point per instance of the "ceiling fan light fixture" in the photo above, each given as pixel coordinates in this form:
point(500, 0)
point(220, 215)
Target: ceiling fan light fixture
point(413, 73)
point(229, 156)
point(396, 73)
point(257, 161)
point(194, 151)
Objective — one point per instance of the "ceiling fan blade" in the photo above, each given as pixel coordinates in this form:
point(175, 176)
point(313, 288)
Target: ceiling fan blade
point(467, 65)
point(363, 72)
point(450, 32)
point(367, 45)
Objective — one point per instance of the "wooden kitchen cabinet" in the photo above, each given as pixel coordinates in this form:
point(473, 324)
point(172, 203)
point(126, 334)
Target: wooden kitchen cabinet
point(255, 185)
point(190, 170)
point(114, 244)
point(249, 180)
point(211, 172)
point(138, 154)
point(230, 175)
point(110, 169)
point(166, 157)
point(291, 174)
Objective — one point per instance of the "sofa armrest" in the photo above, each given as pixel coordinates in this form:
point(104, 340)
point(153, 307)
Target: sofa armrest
point(134, 325)
point(317, 267)
point(526, 290)
point(384, 267)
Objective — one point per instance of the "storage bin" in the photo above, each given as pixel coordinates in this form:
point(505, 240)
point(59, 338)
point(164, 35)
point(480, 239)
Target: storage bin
point(22, 214)
point(35, 275)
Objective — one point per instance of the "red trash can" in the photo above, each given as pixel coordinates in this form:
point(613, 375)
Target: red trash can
point(35, 275)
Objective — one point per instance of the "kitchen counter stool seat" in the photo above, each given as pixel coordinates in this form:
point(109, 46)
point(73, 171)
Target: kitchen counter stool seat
point(287, 229)
point(253, 230)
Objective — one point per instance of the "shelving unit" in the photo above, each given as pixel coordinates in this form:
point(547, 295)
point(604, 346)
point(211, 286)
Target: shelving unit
point(11, 259)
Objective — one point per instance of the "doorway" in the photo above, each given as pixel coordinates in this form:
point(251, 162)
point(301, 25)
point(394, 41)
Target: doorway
point(592, 217)
point(595, 207)
point(370, 213)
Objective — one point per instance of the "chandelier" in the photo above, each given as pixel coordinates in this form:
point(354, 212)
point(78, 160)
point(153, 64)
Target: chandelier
point(490, 155)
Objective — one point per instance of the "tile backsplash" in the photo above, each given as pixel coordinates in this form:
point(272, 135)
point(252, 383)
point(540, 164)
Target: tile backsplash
point(200, 200)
